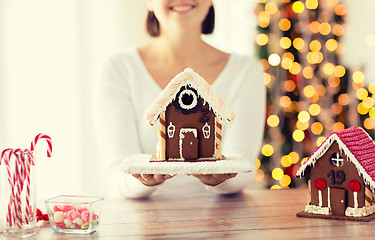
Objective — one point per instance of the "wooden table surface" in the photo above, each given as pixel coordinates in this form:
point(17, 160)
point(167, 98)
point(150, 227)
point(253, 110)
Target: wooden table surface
point(253, 214)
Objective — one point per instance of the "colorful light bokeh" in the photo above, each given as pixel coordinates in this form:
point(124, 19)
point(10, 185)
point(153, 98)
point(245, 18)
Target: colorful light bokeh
point(310, 92)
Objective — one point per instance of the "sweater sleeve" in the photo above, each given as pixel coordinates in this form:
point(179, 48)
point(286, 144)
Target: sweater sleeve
point(244, 136)
point(116, 128)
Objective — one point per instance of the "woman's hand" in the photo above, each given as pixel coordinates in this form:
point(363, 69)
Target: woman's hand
point(151, 179)
point(214, 179)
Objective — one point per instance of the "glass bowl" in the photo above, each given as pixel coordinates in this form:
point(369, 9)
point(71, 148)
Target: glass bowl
point(74, 214)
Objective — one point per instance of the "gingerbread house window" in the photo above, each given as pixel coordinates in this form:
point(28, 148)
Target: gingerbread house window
point(336, 160)
point(188, 99)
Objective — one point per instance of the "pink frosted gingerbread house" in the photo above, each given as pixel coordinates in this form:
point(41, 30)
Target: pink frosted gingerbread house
point(191, 115)
point(342, 177)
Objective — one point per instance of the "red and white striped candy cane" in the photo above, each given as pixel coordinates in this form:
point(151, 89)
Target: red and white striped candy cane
point(18, 176)
point(24, 179)
point(47, 138)
point(6, 156)
point(29, 160)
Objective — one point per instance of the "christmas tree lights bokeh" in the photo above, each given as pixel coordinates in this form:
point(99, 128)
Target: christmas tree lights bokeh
point(310, 92)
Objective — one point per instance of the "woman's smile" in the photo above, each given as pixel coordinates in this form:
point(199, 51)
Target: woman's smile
point(180, 8)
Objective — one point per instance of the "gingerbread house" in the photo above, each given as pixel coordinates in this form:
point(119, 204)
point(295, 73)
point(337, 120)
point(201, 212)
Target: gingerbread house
point(342, 177)
point(191, 115)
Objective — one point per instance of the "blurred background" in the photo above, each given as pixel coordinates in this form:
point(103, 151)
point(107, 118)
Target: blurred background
point(318, 58)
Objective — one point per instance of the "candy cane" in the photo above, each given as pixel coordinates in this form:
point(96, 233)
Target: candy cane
point(24, 178)
point(36, 139)
point(18, 179)
point(6, 158)
point(28, 162)
point(31, 161)
point(5, 154)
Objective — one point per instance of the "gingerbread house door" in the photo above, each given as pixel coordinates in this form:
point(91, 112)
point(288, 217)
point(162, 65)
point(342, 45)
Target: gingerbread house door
point(338, 201)
point(188, 143)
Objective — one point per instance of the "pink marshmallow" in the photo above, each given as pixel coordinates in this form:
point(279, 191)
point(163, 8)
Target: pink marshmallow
point(60, 225)
point(80, 210)
point(57, 208)
point(67, 208)
point(72, 214)
point(85, 216)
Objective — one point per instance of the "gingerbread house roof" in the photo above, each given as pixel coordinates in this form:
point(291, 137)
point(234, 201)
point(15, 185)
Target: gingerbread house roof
point(192, 79)
point(357, 146)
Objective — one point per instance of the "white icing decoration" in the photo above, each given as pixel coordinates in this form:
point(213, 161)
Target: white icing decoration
point(317, 209)
point(191, 93)
point(329, 197)
point(182, 136)
point(171, 129)
point(355, 196)
point(206, 129)
point(176, 159)
point(320, 198)
point(337, 160)
point(187, 130)
point(360, 212)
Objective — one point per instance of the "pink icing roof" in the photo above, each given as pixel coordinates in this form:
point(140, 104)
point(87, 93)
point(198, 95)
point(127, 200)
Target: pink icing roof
point(204, 89)
point(357, 145)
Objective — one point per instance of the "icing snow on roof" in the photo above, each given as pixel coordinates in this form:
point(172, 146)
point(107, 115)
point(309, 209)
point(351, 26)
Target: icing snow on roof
point(358, 147)
point(192, 79)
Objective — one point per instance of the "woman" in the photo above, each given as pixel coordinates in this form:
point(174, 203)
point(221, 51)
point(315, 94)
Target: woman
point(135, 77)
